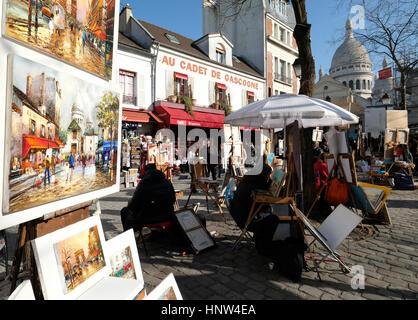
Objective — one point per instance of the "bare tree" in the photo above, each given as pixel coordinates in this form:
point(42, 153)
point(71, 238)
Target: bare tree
point(392, 30)
point(302, 35)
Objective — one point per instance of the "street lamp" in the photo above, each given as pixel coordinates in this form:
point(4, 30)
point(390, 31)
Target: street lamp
point(49, 126)
point(385, 100)
point(298, 68)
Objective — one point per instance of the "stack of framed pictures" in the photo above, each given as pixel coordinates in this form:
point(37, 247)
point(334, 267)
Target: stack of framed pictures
point(195, 233)
point(74, 262)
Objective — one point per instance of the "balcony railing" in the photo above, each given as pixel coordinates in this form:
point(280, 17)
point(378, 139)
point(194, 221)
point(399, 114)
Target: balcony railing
point(282, 78)
point(129, 99)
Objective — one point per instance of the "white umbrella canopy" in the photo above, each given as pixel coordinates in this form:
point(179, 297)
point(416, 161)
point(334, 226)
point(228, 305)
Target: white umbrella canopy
point(279, 111)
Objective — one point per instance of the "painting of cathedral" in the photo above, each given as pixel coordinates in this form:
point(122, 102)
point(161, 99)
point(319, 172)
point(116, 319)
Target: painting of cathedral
point(63, 134)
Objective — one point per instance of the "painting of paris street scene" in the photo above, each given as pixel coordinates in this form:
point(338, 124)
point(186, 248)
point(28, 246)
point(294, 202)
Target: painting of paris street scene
point(77, 31)
point(80, 257)
point(64, 134)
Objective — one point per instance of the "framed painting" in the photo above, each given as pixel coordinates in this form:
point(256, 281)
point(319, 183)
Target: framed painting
point(79, 32)
point(61, 141)
point(71, 259)
point(123, 256)
point(197, 235)
point(166, 290)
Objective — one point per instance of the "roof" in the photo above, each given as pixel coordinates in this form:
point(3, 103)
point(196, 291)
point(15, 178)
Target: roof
point(122, 39)
point(187, 46)
point(74, 126)
point(350, 51)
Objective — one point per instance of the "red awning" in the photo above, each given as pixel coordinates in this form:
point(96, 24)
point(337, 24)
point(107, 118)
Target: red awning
point(181, 76)
point(251, 94)
point(134, 116)
point(221, 86)
point(181, 117)
point(34, 142)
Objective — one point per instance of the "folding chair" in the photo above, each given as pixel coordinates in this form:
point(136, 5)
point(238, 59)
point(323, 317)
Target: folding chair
point(331, 233)
point(206, 185)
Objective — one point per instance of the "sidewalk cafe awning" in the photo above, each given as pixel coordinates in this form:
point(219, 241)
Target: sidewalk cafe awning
point(181, 117)
point(34, 142)
point(142, 116)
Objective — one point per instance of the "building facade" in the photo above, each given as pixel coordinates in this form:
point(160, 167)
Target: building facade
point(262, 34)
point(194, 82)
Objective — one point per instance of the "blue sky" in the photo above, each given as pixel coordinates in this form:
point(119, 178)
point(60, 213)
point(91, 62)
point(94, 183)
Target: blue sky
point(328, 18)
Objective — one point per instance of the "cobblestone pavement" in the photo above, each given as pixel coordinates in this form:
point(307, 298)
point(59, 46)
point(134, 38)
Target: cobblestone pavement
point(388, 254)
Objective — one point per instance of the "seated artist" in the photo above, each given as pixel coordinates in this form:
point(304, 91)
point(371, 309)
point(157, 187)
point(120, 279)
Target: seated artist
point(263, 226)
point(152, 202)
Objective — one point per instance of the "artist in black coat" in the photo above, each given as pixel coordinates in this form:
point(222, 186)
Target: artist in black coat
point(152, 202)
point(284, 253)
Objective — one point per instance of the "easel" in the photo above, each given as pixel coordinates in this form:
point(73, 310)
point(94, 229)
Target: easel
point(260, 199)
point(36, 228)
point(200, 181)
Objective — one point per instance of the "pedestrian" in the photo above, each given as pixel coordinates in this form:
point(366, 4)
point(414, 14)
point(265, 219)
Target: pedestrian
point(211, 162)
point(66, 171)
point(71, 165)
point(47, 164)
point(53, 163)
point(321, 175)
point(83, 162)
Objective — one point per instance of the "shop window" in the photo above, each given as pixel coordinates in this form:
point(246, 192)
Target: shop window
point(221, 93)
point(32, 126)
point(43, 131)
point(250, 97)
point(127, 86)
point(220, 54)
point(181, 84)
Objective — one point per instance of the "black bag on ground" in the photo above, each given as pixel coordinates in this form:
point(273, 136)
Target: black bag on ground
point(403, 181)
point(291, 259)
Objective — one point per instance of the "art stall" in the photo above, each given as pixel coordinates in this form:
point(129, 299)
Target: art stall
point(391, 162)
point(60, 130)
point(292, 113)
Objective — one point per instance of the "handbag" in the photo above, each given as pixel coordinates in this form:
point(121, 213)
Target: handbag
point(337, 192)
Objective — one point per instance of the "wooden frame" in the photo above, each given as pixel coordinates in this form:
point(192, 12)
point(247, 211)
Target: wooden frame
point(196, 234)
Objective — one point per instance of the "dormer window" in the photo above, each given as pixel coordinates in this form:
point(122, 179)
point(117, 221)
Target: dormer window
point(172, 38)
point(220, 54)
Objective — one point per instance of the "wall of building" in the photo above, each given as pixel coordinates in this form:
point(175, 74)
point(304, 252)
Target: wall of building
point(203, 76)
point(141, 66)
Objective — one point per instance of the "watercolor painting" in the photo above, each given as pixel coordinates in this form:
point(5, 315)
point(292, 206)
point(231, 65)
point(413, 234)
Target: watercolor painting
point(80, 257)
point(79, 32)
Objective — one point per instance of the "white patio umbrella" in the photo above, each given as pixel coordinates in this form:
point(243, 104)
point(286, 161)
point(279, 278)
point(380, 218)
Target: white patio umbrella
point(280, 111)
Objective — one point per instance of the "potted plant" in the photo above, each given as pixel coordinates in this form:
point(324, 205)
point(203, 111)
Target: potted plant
point(215, 105)
point(226, 107)
point(172, 98)
point(188, 105)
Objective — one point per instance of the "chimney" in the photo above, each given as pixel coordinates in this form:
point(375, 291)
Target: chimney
point(124, 19)
point(29, 87)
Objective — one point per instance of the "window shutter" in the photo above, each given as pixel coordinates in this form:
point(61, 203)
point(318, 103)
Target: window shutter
point(212, 97)
point(244, 97)
point(141, 90)
point(169, 83)
point(191, 85)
